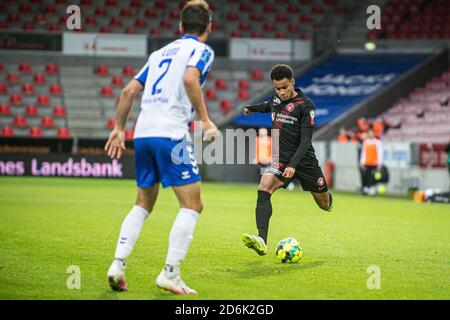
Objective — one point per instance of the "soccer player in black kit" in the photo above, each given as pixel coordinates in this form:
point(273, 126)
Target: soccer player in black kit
point(293, 113)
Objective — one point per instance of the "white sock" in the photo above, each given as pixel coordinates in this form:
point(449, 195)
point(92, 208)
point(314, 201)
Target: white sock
point(180, 239)
point(131, 228)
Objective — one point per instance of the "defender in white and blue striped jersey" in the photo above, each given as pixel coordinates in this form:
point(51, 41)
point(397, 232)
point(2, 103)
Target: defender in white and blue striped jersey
point(171, 82)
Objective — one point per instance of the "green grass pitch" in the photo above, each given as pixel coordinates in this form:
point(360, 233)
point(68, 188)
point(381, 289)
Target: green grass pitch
point(49, 224)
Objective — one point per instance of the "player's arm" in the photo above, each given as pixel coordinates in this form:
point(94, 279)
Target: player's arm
point(116, 142)
point(194, 91)
point(260, 107)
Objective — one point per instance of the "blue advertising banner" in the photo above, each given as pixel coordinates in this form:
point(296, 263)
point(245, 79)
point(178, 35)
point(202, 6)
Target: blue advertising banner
point(342, 81)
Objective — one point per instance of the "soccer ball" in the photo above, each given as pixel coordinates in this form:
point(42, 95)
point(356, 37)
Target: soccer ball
point(289, 251)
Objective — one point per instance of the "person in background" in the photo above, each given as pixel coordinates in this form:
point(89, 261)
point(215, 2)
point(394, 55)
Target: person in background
point(371, 159)
point(263, 148)
point(378, 128)
point(447, 149)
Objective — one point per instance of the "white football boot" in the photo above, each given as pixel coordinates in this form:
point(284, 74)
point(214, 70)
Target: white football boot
point(116, 276)
point(175, 285)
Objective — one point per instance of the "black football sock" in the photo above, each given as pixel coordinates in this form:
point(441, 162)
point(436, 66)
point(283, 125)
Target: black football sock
point(263, 213)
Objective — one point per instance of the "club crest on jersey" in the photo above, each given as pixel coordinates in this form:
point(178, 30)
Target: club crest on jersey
point(276, 100)
point(320, 182)
point(312, 115)
point(290, 107)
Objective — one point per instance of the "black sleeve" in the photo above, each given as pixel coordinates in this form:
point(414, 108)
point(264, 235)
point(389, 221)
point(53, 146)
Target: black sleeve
point(261, 107)
point(306, 137)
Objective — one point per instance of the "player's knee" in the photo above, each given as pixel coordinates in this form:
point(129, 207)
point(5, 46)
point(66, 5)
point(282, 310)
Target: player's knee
point(197, 206)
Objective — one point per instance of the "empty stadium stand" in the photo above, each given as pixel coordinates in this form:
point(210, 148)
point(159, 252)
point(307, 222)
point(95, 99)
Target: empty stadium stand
point(232, 18)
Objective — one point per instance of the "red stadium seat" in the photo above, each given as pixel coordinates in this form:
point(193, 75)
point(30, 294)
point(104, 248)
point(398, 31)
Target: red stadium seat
point(232, 16)
point(35, 132)
point(256, 34)
point(245, 7)
point(7, 131)
point(55, 89)
point(155, 31)
point(111, 3)
point(86, 2)
point(50, 9)
point(130, 30)
point(24, 8)
point(304, 18)
point(111, 123)
point(3, 88)
point(243, 95)
point(151, 13)
point(165, 24)
point(59, 111)
point(292, 27)
point(20, 121)
point(268, 26)
point(280, 35)
point(175, 14)
point(101, 11)
point(3, 25)
point(236, 34)
point(24, 67)
point(269, 8)
point(13, 17)
point(128, 71)
point(107, 91)
point(211, 94)
point(226, 106)
point(51, 68)
point(63, 133)
point(221, 84)
point(43, 100)
point(102, 70)
point(117, 81)
point(47, 122)
point(39, 78)
point(28, 89)
point(115, 22)
point(243, 84)
point(13, 77)
point(31, 110)
point(5, 109)
point(256, 16)
point(125, 12)
point(63, 20)
point(53, 27)
point(135, 3)
point(244, 26)
point(281, 17)
point(160, 4)
point(141, 23)
point(90, 21)
point(292, 8)
point(129, 134)
point(105, 29)
point(257, 75)
point(16, 99)
point(2, 67)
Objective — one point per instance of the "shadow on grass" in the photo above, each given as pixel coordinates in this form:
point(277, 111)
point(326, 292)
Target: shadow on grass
point(256, 269)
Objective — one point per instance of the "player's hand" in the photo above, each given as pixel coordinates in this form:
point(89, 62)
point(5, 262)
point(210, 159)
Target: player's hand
point(210, 130)
point(247, 111)
point(288, 172)
point(115, 144)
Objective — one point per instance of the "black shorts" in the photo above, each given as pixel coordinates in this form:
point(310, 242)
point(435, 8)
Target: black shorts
point(311, 178)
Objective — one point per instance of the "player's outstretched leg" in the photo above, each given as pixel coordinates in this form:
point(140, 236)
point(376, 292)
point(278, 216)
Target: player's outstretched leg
point(129, 233)
point(256, 243)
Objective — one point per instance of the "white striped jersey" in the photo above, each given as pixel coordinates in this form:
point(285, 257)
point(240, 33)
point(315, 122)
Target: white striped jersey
point(166, 110)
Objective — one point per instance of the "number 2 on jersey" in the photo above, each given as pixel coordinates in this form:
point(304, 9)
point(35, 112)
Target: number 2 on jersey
point(166, 62)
